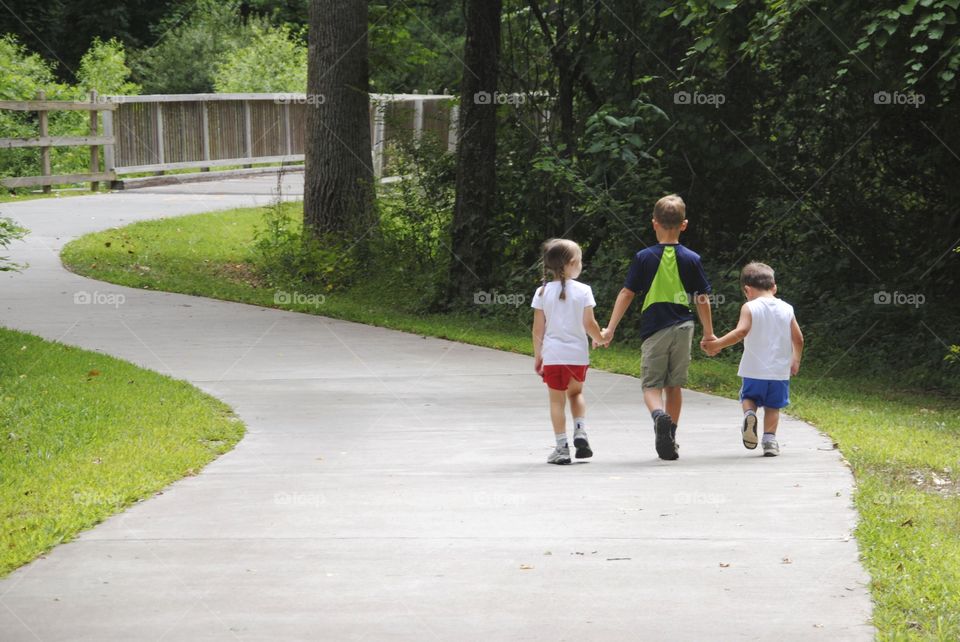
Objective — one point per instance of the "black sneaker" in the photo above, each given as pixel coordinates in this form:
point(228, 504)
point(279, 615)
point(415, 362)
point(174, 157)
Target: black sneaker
point(666, 449)
point(673, 435)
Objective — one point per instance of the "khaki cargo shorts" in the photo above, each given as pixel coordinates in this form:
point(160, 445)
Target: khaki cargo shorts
point(666, 356)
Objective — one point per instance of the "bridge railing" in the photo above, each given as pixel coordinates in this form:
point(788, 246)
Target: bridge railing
point(158, 133)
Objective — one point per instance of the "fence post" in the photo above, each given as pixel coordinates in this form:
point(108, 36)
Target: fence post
point(206, 133)
point(94, 149)
point(44, 149)
point(248, 130)
point(109, 161)
point(417, 120)
point(286, 126)
point(454, 128)
point(160, 159)
point(379, 118)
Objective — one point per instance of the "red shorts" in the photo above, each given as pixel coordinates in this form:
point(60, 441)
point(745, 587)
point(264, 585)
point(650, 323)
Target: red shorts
point(558, 377)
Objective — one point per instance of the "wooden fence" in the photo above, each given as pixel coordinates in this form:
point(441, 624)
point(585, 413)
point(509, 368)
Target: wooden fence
point(44, 141)
point(159, 133)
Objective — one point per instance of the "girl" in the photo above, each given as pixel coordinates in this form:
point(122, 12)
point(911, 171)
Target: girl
point(562, 319)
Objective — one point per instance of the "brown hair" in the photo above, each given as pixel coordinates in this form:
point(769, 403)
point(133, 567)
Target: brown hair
point(557, 254)
point(757, 275)
point(670, 211)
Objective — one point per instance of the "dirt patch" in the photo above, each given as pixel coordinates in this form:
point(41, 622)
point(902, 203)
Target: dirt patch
point(243, 273)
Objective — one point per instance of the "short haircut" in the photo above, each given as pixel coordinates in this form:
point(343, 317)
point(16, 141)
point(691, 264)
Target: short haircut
point(757, 275)
point(670, 211)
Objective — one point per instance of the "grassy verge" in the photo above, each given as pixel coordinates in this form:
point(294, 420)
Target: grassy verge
point(85, 435)
point(903, 446)
point(6, 196)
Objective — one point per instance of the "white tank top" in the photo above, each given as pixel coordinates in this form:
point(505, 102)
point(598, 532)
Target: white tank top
point(767, 348)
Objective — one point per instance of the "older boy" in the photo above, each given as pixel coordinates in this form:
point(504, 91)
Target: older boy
point(772, 348)
point(668, 276)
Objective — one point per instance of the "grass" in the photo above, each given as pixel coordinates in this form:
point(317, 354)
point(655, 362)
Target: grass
point(85, 435)
point(16, 196)
point(903, 446)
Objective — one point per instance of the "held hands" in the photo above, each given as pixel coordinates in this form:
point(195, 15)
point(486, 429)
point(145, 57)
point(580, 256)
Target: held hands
point(607, 336)
point(709, 345)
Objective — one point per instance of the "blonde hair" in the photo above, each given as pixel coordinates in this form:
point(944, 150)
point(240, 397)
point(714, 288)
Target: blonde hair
point(757, 275)
point(670, 211)
point(557, 254)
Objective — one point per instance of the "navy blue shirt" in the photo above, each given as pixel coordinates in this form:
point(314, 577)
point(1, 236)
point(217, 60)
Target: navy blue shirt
point(644, 267)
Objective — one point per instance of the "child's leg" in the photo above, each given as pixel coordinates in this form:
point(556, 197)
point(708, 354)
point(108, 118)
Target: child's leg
point(558, 402)
point(674, 402)
point(771, 419)
point(749, 429)
point(653, 397)
point(578, 405)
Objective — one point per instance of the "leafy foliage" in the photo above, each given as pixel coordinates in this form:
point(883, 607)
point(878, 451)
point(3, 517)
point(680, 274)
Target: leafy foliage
point(275, 60)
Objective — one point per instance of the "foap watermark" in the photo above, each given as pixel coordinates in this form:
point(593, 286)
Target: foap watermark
point(498, 298)
point(883, 297)
point(281, 297)
point(299, 99)
point(299, 499)
point(497, 98)
point(696, 98)
point(699, 499)
point(682, 298)
point(83, 297)
point(903, 98)
point(497, 499)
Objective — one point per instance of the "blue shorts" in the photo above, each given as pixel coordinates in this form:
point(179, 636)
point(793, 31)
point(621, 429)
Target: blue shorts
point(766, 393)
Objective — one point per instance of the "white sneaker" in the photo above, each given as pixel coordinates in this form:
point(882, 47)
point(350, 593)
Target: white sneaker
point(771, 448)
point(560, 455)
point(581, 444)
point(750, 431)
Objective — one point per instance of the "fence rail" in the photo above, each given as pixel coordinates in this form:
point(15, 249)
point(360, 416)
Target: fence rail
point(44, 141)
point(160, 133)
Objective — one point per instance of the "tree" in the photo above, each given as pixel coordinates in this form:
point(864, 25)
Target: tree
point(476, 151)
point(338, 183)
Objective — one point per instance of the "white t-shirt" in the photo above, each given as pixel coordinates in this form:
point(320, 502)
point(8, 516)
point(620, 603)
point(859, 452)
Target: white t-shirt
point(565, 339)
point(768, 348)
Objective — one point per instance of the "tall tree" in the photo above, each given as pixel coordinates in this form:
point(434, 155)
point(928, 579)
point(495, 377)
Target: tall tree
point(476, 151)
point(338, 189)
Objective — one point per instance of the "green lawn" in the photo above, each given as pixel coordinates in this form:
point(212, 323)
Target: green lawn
point(83, 436)
point(904, 447)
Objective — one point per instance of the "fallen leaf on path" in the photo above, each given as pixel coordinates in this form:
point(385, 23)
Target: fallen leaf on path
point(526, 567)
point(786, 560)
point(724, 565)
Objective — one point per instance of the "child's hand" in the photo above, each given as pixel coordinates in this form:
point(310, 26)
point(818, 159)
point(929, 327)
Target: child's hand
point(710, 347)
point(607, 335)
point(794, 367)
point(538, 365)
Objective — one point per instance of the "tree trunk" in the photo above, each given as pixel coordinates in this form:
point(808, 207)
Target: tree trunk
point(476, 181)
point(338, 181)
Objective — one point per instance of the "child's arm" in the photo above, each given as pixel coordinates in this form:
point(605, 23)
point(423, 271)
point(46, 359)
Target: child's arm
point(734, 336)
point(624, 299)
point(705, 312)
point(796, 337)
point(591, 326)
point(539, 327)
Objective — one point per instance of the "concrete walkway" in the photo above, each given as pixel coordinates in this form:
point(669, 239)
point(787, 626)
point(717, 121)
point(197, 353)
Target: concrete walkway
point(394, 487)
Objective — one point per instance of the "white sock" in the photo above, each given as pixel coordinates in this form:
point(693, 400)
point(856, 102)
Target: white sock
point(749, 412)
point(769, 436)
point(561, 440)
point(580, 423)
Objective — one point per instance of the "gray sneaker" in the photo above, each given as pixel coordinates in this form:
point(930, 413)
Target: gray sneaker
point(771, 448)
point(581, 444)
point(750, 431)
point(560, 455)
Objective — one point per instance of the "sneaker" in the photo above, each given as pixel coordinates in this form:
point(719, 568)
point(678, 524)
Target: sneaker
point(771, 448)
point(560, 455)
point(581, 444)
point(750, 431)
point(666, 449)
point(673, 436)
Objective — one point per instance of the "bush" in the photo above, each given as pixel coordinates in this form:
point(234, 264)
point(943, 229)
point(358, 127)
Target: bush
point(274, 61)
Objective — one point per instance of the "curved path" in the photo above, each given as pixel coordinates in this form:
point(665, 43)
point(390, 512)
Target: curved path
point(393, 487)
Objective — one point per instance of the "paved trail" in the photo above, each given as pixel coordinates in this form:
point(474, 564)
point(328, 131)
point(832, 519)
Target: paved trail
point(393, 487)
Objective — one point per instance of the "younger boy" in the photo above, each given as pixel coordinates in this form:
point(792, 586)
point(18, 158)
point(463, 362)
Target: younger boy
point(667, 275)
point(772, 347)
